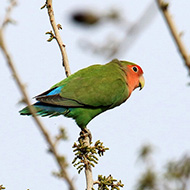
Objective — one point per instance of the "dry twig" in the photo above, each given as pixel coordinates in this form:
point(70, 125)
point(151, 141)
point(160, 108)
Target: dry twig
point(57, 36)
point(176, 35)
point(88, 168)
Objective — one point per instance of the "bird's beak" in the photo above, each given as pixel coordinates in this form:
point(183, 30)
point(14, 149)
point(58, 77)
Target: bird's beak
point(141, 82)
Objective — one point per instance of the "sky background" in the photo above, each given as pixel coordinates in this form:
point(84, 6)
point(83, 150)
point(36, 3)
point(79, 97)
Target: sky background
point(159, 114)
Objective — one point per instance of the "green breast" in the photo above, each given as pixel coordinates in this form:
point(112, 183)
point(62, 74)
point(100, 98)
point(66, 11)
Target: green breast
point(83, 116)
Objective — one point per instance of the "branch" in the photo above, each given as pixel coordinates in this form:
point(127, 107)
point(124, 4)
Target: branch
point(7, 18)
point(114, 45)
point(57, 36)
point(176, 35)
point(85, 155)
point(26, 98)
point(86, 138)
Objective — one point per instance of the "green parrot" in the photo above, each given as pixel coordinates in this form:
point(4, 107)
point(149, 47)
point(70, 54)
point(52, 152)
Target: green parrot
point(89, 92)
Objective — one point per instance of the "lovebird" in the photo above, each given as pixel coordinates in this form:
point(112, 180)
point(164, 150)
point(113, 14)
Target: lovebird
point(89, 92)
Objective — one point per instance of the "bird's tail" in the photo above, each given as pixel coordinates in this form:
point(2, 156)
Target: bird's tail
point(43, 109)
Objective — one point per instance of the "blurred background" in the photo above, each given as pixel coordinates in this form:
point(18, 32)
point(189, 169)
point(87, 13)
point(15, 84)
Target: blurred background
point(156, 118)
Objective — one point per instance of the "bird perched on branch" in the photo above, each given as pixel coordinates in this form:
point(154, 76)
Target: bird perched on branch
point(89, 92)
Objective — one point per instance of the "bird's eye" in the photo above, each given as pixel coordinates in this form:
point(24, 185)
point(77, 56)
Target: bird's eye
point(135, 69)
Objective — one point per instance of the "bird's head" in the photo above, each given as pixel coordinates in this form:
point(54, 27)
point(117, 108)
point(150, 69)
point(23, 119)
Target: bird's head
point(134, 76)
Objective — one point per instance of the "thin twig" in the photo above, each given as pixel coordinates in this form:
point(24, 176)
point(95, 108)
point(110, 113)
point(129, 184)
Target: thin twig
point(88, 168)
point(7, 18)
point(176, 35)
point(89, 178)
point(26, 99)
point(58, 37)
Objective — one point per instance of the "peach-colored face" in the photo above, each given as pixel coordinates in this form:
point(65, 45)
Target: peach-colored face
point(134, 77)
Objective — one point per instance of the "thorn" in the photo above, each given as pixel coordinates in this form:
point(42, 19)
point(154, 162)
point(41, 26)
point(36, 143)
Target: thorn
point(59, 26)
point(44, 6)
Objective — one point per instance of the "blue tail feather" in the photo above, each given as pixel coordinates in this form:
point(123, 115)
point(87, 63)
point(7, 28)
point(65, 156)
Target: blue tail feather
point(49, 110)
point(44, 110)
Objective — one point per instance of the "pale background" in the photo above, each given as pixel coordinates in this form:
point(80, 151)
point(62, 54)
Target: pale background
point(159, 114)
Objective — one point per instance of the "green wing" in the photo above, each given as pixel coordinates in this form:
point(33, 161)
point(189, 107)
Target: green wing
point(95, 86)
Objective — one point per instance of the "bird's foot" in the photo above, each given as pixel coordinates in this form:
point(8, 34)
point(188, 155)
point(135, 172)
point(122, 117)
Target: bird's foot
point(85, 133)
